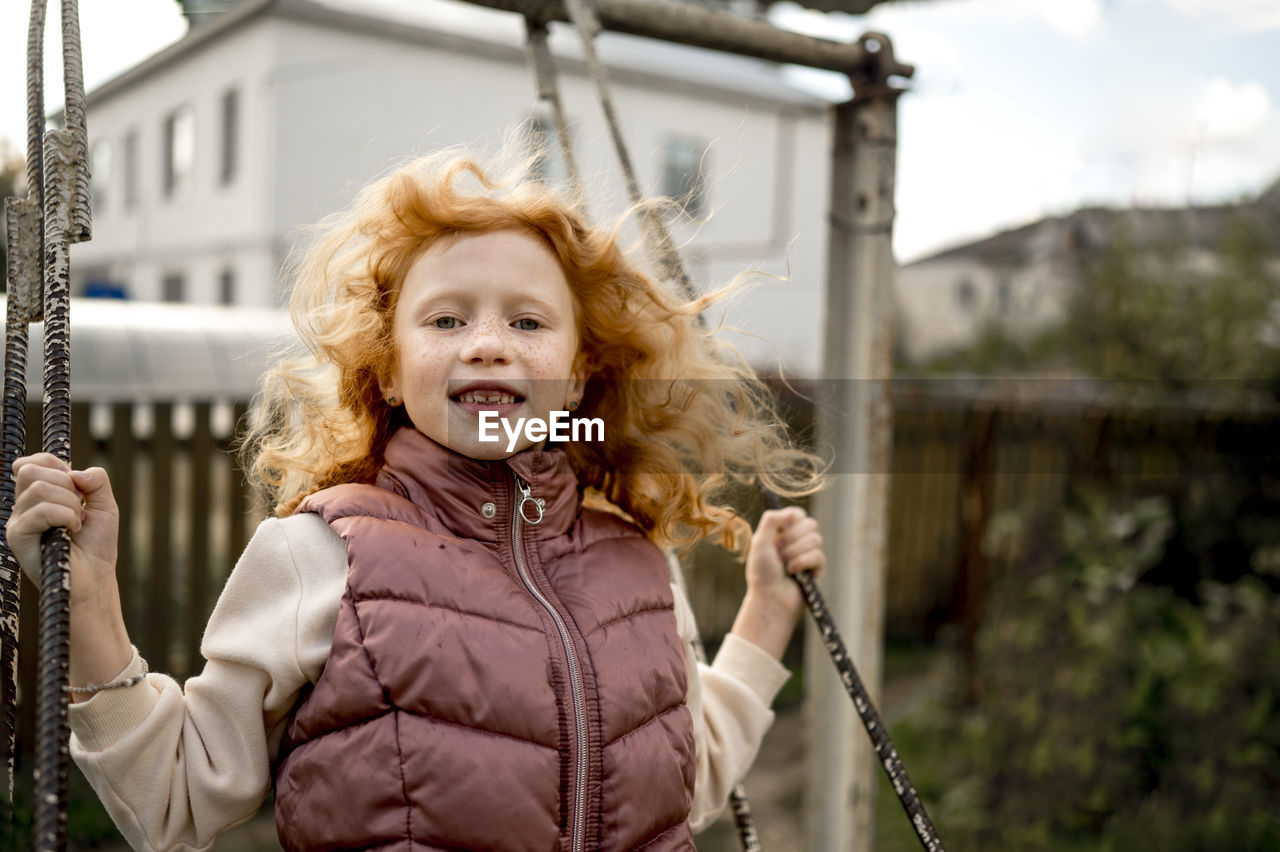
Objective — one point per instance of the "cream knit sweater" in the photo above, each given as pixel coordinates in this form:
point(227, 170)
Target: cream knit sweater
point(175, 765)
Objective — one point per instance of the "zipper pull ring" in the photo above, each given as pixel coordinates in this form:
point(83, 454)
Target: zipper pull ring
point(527, 500)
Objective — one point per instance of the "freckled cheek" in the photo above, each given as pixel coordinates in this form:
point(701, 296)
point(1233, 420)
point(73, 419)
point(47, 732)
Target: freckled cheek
point(426, 369)
point(549, 363)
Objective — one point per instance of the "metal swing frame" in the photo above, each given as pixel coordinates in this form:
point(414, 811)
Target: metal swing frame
point(56, 213)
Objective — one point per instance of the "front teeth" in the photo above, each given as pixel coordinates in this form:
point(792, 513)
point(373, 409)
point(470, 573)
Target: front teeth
point(487, 397)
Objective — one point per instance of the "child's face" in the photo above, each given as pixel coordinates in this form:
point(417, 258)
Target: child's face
point(484, 322)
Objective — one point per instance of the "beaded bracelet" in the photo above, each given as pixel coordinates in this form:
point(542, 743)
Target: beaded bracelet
point(91, 688)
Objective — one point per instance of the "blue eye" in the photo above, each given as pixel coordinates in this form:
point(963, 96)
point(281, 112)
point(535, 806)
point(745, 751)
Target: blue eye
point(445, 322)
point(527, 324)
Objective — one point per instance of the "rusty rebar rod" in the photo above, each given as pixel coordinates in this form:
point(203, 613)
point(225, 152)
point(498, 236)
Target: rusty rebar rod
point(66, 220)
point(24, 277)
point(41, 228)
point(53, 642)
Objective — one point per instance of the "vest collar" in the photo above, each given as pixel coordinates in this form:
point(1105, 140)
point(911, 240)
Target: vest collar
point(456, 488)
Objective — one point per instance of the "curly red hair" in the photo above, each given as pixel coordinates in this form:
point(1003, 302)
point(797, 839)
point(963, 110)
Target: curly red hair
point(685, 417)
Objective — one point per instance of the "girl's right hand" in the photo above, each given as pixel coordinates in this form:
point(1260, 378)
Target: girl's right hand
point(49, 494)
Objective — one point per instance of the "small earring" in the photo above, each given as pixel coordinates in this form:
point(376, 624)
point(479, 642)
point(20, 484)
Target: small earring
point(393, 401)
point(573, 405)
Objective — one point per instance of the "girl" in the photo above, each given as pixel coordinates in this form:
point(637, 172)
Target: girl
point(444, 642)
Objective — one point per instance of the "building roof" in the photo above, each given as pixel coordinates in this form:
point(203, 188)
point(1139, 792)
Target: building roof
point(463, 27)
point(1094, 228)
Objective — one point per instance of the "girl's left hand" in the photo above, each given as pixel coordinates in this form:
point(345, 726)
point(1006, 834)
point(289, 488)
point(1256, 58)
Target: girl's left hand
point(786, 541)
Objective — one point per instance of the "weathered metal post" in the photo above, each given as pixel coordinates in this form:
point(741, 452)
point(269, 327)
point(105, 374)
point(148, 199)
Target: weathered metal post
point(856, 420)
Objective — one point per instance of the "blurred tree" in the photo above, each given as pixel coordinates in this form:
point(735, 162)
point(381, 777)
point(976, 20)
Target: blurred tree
point(1153, 312)
point(1119, 709)
point(1175, 297)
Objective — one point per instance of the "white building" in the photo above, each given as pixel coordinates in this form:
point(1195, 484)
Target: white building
point(1017, 280)
point(1022, 281)
point(209, 156)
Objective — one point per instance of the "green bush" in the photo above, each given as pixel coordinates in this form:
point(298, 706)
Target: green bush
point(1116, 712)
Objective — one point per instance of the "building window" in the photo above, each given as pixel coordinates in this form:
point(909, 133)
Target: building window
point(230, 136)
point(684, 173)
point(227, 287)
point(172, 286)
point(1004, 296)
point(131, 170)
point(966, 294)
point(179, 149)
point(101, 167)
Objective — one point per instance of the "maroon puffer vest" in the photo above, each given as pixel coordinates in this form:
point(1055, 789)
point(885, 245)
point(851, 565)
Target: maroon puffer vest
point(493, 683)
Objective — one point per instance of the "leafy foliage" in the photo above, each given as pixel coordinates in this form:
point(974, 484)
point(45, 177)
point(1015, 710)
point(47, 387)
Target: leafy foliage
point(1119, 711)
point(1152, 314)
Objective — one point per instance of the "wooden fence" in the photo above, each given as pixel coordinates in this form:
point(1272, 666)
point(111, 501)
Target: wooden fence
point(960, 465)
point(965, 463)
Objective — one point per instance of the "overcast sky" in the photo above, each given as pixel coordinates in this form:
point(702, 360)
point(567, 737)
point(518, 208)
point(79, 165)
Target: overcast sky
point(1019, 108)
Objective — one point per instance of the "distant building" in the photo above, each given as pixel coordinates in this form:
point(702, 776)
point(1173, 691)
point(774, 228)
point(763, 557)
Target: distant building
point(1022, 280)
point(209, 156)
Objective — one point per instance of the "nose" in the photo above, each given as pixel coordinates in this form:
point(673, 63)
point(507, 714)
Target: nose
point(487, 343)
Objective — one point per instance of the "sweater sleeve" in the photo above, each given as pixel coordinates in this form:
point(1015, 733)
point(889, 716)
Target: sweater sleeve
point(175, 765)
point(729, 701)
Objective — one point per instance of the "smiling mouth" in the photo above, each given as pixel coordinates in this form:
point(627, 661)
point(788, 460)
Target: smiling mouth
point(487, 397)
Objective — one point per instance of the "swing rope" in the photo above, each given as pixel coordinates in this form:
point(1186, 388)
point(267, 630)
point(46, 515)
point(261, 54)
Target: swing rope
point(40, 230)
point(582, 15)
point(544, 80)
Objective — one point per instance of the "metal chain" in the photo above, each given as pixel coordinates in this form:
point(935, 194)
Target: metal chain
point(544, 81)
point(862, 702)
point(738, 803)
point(583, 15)
point(23, 262)
point(52, 728)
point(889, 760)
point(25, 234)
point(40, 229)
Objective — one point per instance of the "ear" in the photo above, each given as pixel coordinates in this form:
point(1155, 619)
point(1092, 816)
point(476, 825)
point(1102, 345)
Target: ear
point(387, 387)
point(579, 374)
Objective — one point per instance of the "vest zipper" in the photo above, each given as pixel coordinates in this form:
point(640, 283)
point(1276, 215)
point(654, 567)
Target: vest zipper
point(532, 505)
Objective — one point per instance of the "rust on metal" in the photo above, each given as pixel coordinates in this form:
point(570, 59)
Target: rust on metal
point(40, 229)
point(684, 23)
